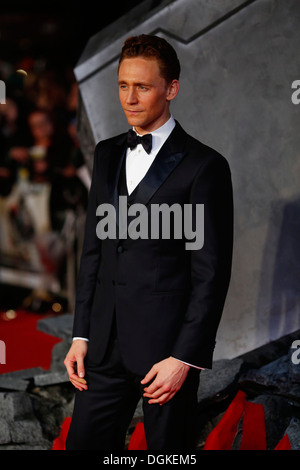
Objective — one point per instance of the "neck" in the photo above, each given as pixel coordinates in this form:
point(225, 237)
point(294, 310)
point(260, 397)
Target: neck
point(152, 128)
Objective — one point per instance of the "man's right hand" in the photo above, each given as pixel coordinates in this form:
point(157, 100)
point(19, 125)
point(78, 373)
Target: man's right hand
point(74, 363)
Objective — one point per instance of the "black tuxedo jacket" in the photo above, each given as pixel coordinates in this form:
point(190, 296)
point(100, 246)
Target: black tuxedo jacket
point(167, 300)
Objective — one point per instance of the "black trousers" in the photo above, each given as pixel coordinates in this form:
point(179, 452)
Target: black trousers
point(102, 413)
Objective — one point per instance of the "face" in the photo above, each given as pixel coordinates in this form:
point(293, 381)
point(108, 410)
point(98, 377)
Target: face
point(144, 94)
point(40, 126)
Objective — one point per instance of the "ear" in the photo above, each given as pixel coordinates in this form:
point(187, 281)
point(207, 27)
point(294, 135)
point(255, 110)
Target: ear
point(173, 89)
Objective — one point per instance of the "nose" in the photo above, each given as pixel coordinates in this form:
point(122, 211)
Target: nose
point(131, 97)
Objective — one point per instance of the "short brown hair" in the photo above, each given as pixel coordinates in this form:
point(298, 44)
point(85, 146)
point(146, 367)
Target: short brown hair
point(153, 47)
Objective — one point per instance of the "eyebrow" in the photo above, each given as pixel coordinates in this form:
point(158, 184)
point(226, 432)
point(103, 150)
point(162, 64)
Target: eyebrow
point(124, 82)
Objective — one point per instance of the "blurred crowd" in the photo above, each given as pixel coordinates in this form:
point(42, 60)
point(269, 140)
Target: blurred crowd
point(44, 181)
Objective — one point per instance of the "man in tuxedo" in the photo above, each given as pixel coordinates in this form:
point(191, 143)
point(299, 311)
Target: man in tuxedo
point(148, 308)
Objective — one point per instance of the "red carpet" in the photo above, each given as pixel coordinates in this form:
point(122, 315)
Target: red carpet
point(223, 434)
point(25, 346)
point(138, 438)
point(221, 437)
point(254, 431)
point(284, 443)
point(60, 441)
point(252, 417)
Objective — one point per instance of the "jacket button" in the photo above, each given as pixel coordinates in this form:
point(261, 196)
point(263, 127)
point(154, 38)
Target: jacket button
point(120, 249)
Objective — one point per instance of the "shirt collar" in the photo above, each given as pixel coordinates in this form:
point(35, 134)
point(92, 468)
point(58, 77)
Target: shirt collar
point(160, 135)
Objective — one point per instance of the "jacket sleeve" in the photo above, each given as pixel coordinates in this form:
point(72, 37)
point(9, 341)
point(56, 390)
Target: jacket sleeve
point(90, 258)
point(210, 265)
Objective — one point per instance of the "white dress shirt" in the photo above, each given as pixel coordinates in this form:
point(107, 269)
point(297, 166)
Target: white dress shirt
point(138, 162)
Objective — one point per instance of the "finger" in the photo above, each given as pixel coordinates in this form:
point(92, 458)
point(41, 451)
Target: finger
point(77, 386)
point(156, 393)
point(152, 388)
point(82, 381)
point(149, 376)
point(75, 378)
point(70, 366)
point(162, 399)
point(78, 379)
point(77, 382)
point(80, 367)
point(156, 385)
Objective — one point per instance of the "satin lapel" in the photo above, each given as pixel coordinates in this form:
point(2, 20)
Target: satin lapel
point(165, 162)
point(116, 159)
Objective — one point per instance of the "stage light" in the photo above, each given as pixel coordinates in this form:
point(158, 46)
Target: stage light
point(56, 307)
point(10, 315)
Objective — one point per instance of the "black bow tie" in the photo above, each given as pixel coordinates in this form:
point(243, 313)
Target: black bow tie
point(133, 140)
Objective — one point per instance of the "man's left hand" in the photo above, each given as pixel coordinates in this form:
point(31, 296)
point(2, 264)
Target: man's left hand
point(170, 375)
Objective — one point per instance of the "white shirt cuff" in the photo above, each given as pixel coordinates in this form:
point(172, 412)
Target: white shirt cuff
point(191, 365)
point(79, 337)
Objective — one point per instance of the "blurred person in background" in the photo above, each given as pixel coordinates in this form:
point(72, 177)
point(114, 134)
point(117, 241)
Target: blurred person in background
point(14, 141)
point(58, 193)
point(44, 180)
